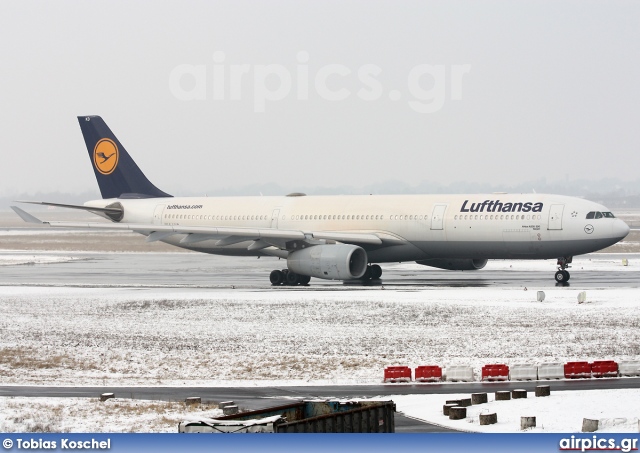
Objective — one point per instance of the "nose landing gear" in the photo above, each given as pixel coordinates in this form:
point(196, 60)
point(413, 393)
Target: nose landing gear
point(563, 275)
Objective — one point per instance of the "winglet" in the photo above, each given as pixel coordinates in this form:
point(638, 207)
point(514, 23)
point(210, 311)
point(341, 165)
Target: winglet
point(26, 216)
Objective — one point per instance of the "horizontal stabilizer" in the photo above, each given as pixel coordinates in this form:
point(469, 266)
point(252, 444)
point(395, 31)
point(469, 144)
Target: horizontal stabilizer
point(113, 210)
point(26, 216)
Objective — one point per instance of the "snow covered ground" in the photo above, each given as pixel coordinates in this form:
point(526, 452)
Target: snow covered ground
point(82, 415)
point(156, 335)
point(251, 337)
point(562, 412)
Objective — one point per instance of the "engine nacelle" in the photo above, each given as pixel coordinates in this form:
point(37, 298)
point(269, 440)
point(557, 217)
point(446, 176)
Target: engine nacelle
point(455, 264)
point(331, 262)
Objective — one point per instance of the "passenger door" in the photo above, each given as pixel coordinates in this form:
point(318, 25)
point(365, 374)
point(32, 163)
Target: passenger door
point(274, 218)
point(437, 216)
point(157, 214)
point(555, 216)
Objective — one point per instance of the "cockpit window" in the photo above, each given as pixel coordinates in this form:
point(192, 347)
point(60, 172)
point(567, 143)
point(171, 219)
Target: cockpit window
point(600, 215)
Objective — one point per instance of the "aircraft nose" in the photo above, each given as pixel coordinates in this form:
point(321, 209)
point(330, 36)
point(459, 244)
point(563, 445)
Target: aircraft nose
point(620, 229)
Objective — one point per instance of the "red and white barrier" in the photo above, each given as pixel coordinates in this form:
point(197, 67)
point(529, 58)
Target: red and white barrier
point(576, 370)
point(523, 372)
point(397, 374)
point(495, 372)
point(428, 373)
point(551, 370)
point(629, 368)
point(462, 373)
point(516, 372)
point(604, 368)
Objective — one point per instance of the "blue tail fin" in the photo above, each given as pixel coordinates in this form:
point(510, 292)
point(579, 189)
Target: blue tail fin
point(117, 174)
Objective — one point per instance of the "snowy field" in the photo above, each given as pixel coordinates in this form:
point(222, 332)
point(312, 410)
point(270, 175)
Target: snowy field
point(167, 336)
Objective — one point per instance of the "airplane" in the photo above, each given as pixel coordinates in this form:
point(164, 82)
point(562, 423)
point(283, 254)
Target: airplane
point(341, 237)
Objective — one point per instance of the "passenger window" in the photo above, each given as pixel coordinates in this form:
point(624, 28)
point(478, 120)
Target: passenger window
point(598, 215)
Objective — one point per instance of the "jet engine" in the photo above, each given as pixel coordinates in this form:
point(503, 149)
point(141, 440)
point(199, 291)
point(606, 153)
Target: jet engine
point(455, 264)
point(331, 262)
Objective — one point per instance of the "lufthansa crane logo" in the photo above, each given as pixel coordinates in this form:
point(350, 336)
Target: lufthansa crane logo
point(105, 156)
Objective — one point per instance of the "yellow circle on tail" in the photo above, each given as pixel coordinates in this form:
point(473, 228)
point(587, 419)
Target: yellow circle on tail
point(105, 156)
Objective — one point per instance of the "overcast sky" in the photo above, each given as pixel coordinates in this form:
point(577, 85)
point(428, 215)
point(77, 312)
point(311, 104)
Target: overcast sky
point(334, 93)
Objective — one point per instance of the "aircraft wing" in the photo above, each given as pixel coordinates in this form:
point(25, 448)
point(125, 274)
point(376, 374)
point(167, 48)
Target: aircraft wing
point(261, 237)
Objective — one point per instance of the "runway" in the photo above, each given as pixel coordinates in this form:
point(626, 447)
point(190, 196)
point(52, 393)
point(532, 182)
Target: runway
point(195, 270)
point(253, 398)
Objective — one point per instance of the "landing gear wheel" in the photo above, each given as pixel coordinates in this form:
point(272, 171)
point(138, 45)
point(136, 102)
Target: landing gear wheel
point(276, 277)
point(293, 279)
point(304, 279)
point(367, 274)
point(563, 276)
point(376, 272)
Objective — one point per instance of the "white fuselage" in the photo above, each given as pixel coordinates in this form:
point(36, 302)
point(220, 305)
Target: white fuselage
point(486, 226)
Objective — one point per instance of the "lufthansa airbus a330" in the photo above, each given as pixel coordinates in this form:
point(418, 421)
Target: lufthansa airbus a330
point(342, 237)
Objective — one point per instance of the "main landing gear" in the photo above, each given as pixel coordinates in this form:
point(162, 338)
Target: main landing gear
point(373, 272)
point(563, 275)
point(288, 278)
